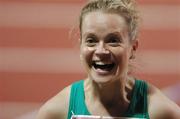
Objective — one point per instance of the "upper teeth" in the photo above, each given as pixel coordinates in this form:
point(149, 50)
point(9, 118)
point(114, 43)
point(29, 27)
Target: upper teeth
point(101, 63)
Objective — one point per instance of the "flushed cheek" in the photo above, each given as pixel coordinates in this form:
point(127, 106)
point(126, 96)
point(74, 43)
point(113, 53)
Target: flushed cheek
point(123, 65)
point(86, 56)
point(122, 58)
point(123, 61)
point(120, 53)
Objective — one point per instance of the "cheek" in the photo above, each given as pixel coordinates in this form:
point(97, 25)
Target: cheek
point(86, 54)
point(122, 56)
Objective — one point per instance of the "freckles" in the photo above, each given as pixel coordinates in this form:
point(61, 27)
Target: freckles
point(84, 50)
point(122, 55)
point(87, 50)
point(86, 53)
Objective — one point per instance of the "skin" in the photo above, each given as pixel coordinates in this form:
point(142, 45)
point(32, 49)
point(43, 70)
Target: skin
point(105, 40)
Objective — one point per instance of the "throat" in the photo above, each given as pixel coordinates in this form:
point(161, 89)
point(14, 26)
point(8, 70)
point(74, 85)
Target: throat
point(114, 98)
point(116, 108)
point(112, 92)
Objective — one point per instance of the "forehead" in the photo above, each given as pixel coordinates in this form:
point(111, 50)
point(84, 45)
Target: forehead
point(103, 21)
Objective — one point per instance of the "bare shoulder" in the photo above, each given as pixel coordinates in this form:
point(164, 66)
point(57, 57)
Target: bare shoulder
point(56, 107)
point(160, 107)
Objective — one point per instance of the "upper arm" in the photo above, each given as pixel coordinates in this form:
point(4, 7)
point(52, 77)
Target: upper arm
point(160, 107)
point(56, 107)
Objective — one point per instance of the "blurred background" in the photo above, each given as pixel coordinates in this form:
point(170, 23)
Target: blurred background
point(39, 51)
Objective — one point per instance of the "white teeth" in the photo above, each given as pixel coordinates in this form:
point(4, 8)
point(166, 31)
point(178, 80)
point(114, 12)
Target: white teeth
point(101, 63)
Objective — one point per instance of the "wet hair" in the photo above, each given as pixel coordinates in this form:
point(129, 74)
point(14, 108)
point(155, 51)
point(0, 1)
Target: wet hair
point(125, 8)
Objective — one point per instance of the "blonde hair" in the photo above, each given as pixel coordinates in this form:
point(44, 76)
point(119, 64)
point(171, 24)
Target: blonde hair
point(126, 8)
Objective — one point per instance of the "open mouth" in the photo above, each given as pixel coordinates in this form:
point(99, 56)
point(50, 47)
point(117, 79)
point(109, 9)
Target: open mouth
point(103, 66)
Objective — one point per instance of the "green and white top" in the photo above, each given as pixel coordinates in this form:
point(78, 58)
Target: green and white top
point(138, 107)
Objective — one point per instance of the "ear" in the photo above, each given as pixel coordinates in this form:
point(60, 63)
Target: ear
point(80, 55)
point(135, 45)
point(79, 40)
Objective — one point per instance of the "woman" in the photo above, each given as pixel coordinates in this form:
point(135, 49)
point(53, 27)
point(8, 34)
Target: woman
point(108, 31)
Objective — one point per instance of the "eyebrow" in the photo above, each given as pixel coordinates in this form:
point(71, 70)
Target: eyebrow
point(114, 33)
point(94, 33)
point(117, 34)
point(89, 34)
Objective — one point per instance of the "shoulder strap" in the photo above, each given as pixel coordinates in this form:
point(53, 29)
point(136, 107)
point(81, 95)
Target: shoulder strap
point(77, 104)
point(139, 103)
point(141, 96)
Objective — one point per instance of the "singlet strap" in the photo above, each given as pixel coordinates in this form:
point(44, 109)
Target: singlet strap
point(77, 104)
point(139, 101)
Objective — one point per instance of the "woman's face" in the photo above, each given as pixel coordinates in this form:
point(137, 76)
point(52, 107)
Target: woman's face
point(105, 47)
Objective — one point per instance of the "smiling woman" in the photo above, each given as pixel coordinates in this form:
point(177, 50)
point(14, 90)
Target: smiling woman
point(108, 43)
point(105, 46)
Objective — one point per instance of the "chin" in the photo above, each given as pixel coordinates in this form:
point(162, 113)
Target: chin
point(102, 79)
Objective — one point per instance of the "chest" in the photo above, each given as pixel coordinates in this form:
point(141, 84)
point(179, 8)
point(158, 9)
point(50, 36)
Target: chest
point(96, 107)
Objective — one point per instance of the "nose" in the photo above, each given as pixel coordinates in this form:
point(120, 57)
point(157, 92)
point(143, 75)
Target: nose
point(101, 49)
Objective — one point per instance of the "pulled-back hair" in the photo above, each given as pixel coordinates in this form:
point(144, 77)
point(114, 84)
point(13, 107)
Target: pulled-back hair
point(125, 8)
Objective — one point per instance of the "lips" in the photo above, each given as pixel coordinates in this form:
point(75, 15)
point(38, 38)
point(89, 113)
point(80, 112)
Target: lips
point(103, 66)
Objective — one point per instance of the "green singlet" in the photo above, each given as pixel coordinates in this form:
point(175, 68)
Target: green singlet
point(138, 107)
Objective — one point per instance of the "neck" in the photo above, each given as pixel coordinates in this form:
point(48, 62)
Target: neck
point(110, 94)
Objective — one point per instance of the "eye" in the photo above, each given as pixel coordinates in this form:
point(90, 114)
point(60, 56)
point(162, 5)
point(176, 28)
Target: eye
point(91, 41)
point(114, 40)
